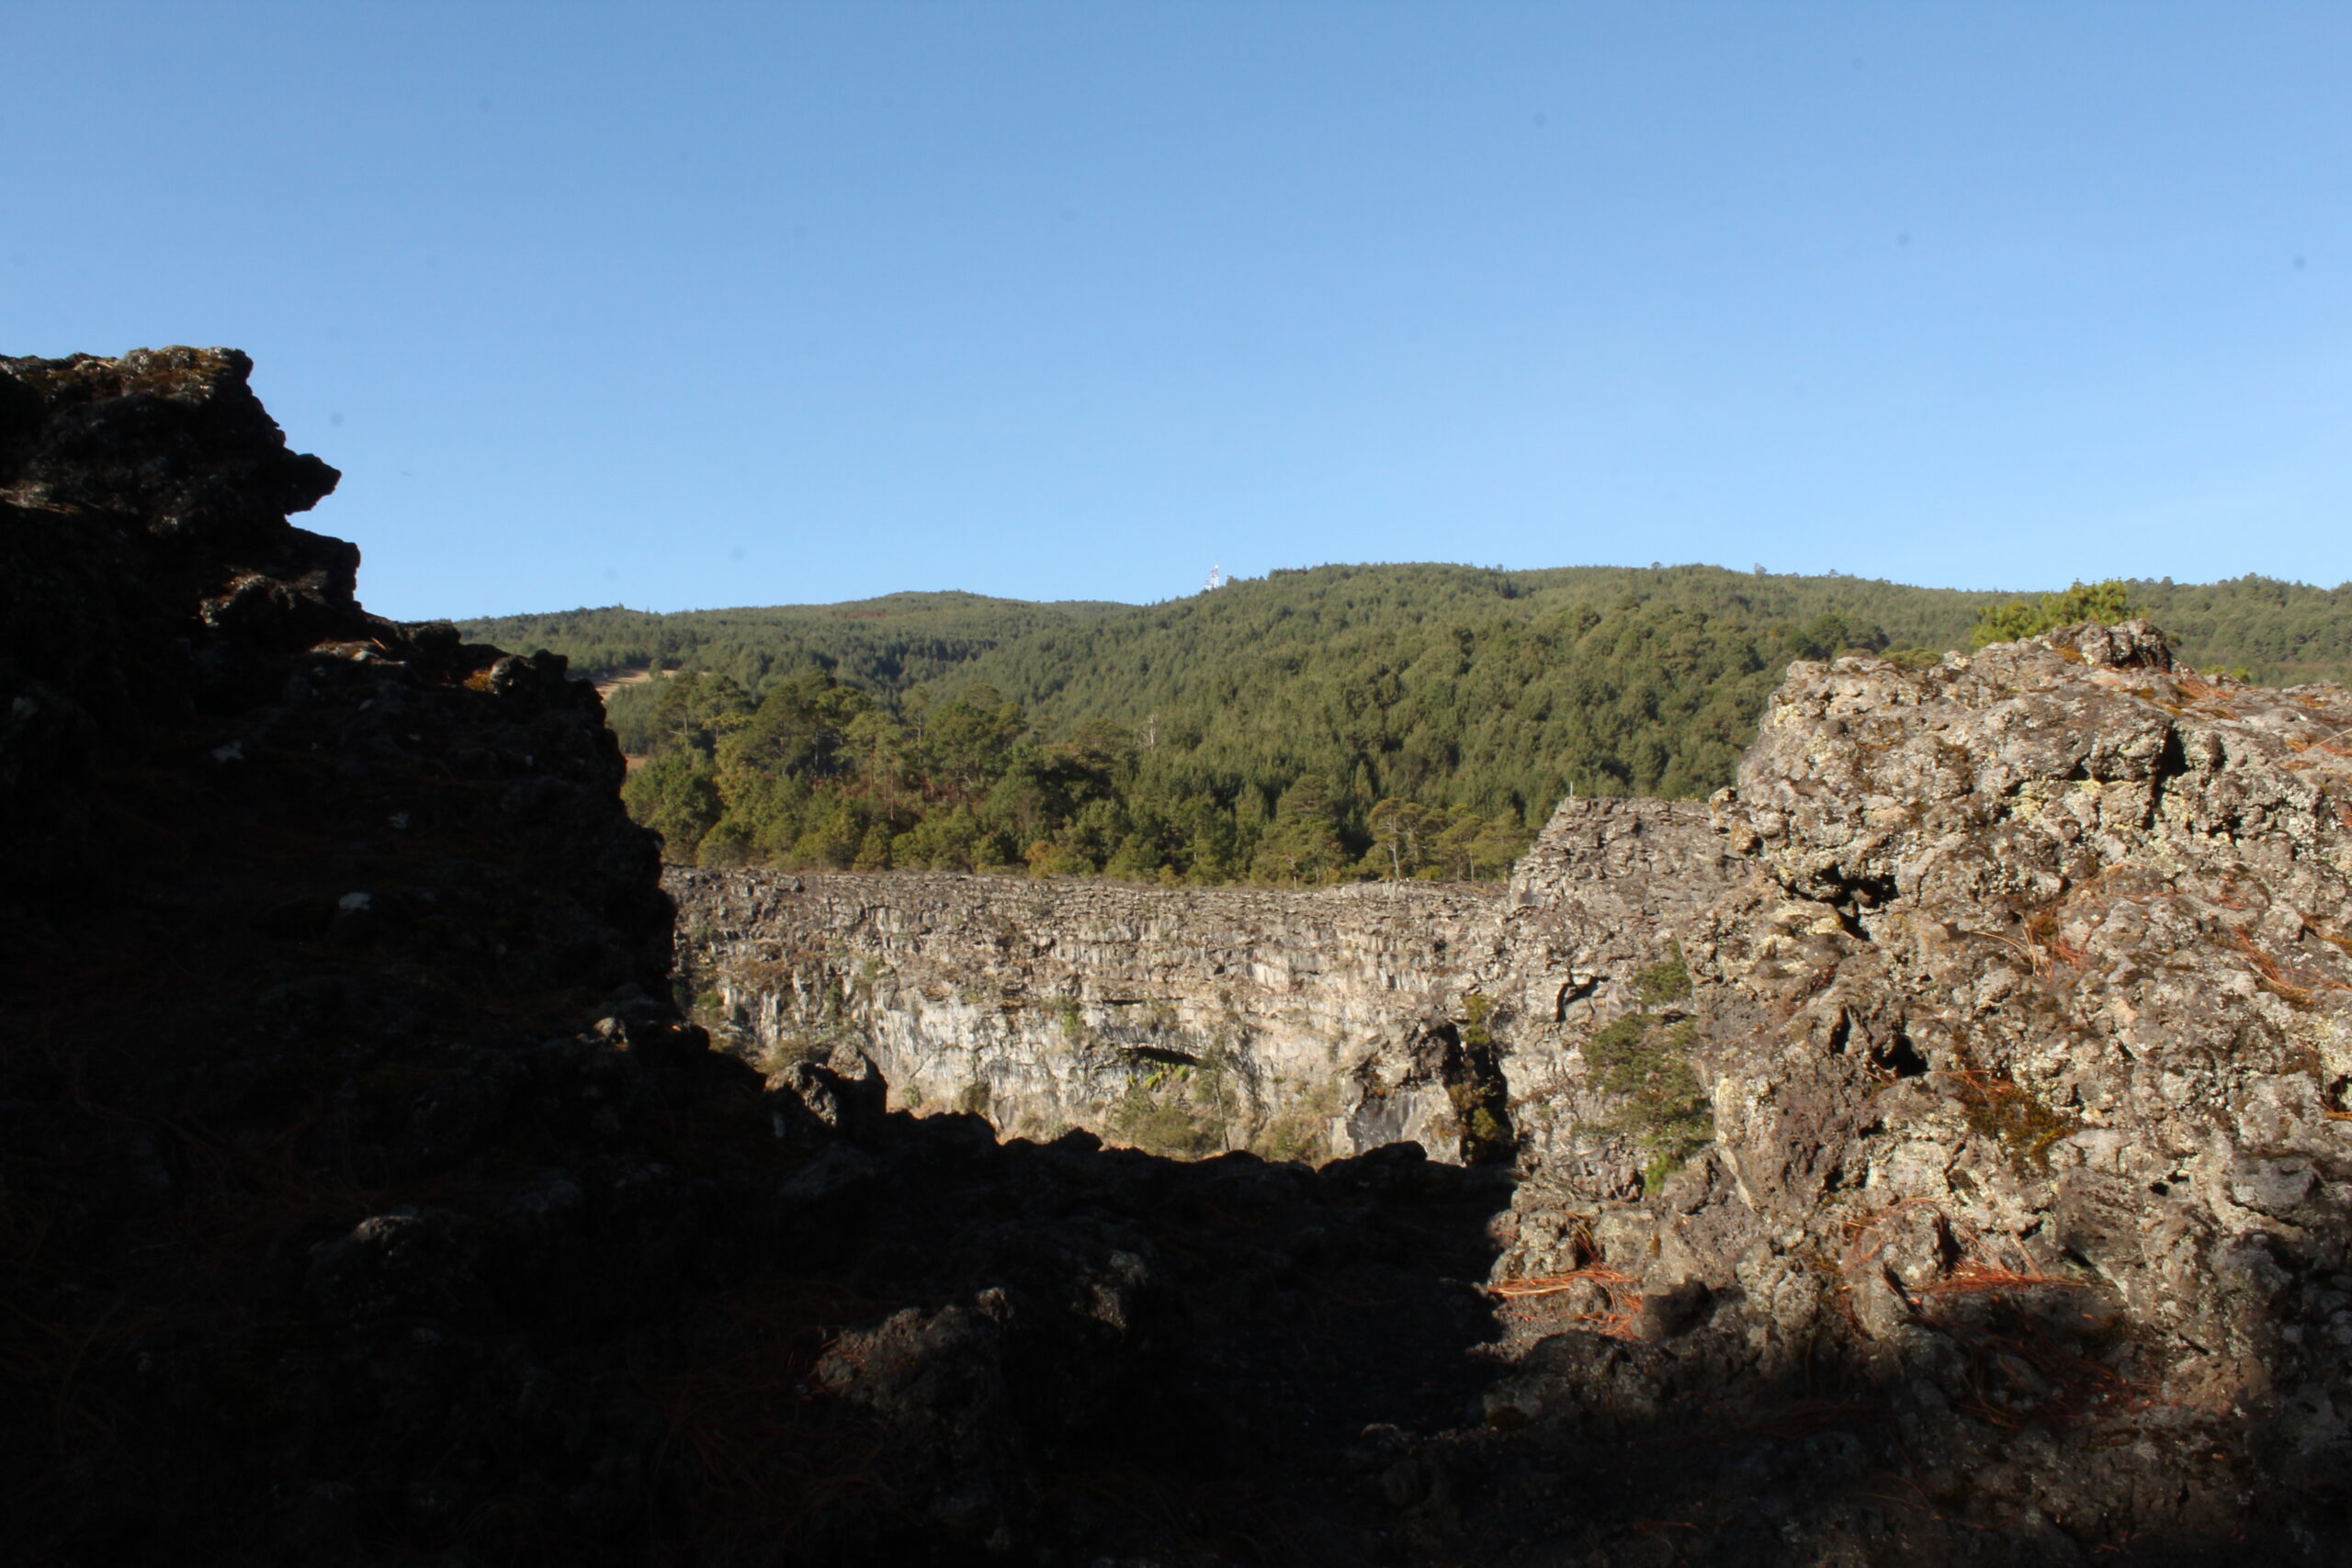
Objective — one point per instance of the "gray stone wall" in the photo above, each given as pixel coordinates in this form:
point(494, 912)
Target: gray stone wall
point(1305, 1023)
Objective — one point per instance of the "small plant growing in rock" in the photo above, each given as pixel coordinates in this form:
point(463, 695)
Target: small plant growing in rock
point(796, 1048)
point(1645, 1061)
point(1669, 980)
point(1179, 1109)
point(1474, 1088)
point(1999, 1109)
point(1163, 1126)
point(1303, 1131)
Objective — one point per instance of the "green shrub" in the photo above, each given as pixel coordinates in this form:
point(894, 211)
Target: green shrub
point(2102, 603)
point(1646, 1062)
point(1666, 981)
point(1302, 1132)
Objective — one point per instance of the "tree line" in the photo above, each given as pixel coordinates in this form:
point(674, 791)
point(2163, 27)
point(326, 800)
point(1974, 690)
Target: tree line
point(816, 773)
point(1395, 721)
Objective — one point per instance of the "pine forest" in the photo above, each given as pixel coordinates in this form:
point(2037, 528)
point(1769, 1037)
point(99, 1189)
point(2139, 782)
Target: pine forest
point(1314, 725)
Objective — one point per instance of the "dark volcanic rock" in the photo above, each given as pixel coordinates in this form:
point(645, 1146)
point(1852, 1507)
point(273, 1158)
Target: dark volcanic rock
point(363, 1199)
point(306, 916)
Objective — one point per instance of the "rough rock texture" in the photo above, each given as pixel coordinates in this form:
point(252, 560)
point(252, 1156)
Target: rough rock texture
point(1937, 1155)
point(1184, 1021)
point(2025, 1044)
point(1592, 920)
point(1181, 1020)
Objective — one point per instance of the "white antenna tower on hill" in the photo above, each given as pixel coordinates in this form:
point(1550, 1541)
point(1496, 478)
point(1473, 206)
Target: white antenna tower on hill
point(1217, 577)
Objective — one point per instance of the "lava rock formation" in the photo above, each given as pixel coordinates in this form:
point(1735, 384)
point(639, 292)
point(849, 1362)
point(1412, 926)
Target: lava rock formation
point(1949, 1163)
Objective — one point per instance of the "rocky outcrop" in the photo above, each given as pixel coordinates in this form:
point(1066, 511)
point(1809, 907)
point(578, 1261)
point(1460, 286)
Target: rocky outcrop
point(2024, 1046)
point(328, 1139)
point(1298, 1024)
point(1591, 936)
point(1184, 1020)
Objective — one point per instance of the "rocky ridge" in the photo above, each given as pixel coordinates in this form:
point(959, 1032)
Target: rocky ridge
point(2024, 1041)
point(1933, 1152)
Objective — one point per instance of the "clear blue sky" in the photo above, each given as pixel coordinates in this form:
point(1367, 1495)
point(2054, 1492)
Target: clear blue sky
point(698, 305)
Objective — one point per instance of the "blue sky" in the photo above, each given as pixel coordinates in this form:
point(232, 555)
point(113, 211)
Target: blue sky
point(704, 305)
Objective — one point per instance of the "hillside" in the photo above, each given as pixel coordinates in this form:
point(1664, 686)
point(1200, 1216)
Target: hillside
point(1494, 691)
point(884, 645)
point(1309, 726)
point(2281, 633)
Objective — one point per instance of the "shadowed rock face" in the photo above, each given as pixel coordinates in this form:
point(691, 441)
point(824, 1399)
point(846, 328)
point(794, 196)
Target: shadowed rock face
point(361, 1201)
point(305, 1107)
point(1934, 1151)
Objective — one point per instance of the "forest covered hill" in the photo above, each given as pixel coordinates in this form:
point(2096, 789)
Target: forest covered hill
point(1312, 724)
point(883, 644)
